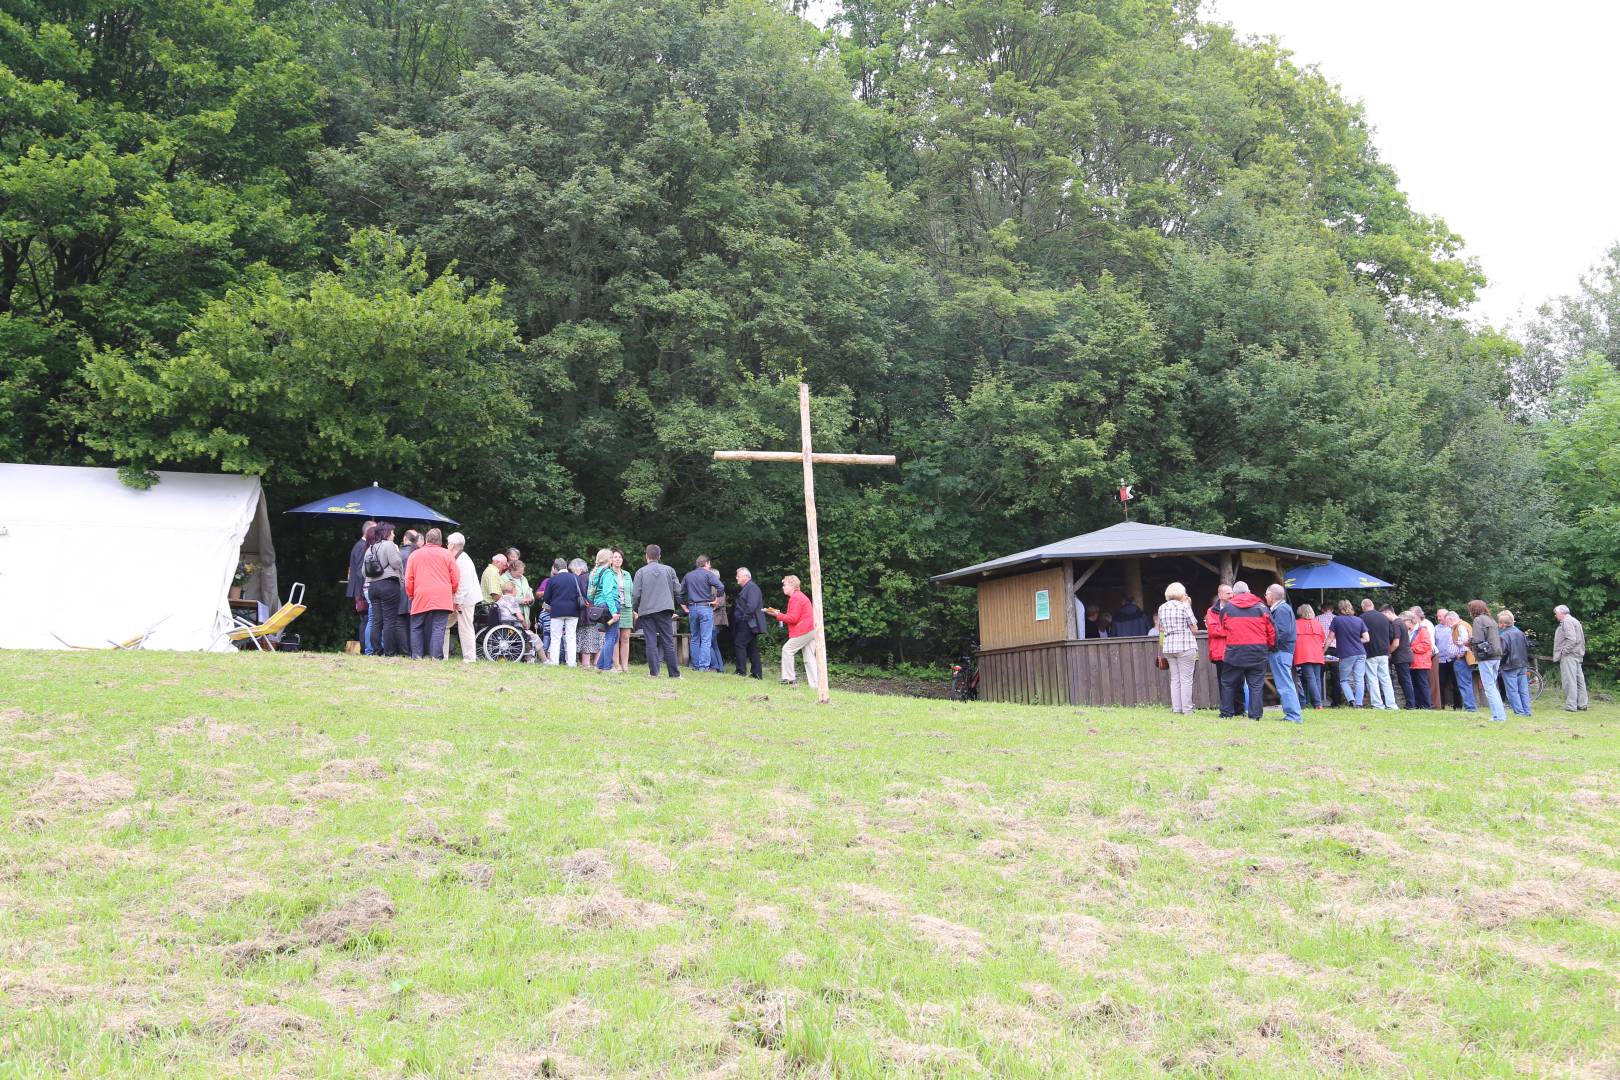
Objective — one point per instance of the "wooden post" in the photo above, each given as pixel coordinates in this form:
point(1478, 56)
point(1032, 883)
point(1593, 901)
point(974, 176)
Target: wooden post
point(810, 459)
point(822, 692)
point(1133, 583)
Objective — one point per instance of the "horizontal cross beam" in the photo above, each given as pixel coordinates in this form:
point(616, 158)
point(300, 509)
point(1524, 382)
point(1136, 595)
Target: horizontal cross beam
point(791, 455)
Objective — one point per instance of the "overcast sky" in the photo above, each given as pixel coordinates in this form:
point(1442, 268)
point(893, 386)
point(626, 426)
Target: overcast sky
point(1499, 117)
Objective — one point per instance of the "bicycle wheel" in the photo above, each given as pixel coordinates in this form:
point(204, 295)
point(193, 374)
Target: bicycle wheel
point(1536, 683)
point(504, 643)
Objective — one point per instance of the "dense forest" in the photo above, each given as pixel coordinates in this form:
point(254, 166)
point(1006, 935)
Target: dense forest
point(532, 260)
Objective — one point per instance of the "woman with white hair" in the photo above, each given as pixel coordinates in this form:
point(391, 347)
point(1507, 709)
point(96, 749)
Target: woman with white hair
point(590, 634)
point(564, 598)
point(1178, 641)
point(467, 595)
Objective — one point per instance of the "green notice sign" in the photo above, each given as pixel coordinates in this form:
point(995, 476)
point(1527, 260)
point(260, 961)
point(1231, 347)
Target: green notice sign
point(1043, 605)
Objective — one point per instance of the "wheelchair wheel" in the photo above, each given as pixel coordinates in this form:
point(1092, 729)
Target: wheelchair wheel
point(504, 643)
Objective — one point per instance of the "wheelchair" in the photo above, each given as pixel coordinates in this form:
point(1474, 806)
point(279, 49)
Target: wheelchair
point(495, 639)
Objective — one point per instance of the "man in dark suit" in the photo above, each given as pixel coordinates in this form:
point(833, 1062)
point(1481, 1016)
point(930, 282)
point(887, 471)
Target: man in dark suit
point(356, 588)
point(747, 623)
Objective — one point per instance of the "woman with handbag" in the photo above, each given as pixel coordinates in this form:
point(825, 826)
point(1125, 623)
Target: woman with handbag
point(621, 655)
point(1178, 645)
point(603, 611)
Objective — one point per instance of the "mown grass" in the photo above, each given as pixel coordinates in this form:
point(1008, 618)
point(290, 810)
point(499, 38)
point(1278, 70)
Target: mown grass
point(321, 866)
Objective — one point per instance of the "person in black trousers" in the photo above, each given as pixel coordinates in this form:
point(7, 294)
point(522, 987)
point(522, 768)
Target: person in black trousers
point(657, 590)
point(1400, 658)
point(747, 623)
point(355, 588)
point(386, 592)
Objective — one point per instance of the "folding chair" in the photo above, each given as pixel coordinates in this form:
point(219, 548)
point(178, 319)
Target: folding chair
point(271, 629)
point(136, 642)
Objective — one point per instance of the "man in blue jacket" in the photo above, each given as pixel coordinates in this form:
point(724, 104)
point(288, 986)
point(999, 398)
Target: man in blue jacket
point(1282, 653)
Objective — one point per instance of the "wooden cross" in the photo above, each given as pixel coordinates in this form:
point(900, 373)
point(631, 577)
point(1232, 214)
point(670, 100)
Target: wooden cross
point(808, 458)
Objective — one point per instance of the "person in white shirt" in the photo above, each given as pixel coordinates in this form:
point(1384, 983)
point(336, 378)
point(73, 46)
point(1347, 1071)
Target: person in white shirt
point(467, 597)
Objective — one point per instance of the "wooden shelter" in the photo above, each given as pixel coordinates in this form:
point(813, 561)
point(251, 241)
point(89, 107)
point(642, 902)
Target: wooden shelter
point(1036, 646)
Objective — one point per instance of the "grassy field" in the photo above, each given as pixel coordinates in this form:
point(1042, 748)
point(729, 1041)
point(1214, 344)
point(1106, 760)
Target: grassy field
point(324, 866)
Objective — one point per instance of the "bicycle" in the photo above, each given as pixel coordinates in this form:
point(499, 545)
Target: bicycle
point(965, 678)
point(1538, 683)
point(1533, 671)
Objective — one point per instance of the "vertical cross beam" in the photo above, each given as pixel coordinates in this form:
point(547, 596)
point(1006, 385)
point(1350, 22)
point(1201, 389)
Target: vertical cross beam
point(823, 691)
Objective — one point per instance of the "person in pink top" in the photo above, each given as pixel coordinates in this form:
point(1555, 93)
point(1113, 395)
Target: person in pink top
point(800, 620)
point(431, 581)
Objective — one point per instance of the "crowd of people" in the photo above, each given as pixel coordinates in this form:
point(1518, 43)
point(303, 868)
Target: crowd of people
point(1358, 657)
point(411, 595)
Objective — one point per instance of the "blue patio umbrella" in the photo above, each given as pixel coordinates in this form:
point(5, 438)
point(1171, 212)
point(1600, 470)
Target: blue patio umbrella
point(373, 502)
point(1331, 575)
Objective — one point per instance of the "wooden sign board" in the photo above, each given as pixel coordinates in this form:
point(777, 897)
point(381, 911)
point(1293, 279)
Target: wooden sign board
point(1259, 560)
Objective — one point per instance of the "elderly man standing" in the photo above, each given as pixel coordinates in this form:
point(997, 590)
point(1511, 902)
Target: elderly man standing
point(657, 588)
point(1250, 637)
point(1282, 653)
point(747, 623)
point(1569, 650)
point(466, 598)
point(491, 583)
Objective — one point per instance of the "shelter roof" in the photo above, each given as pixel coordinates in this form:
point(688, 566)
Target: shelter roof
point(1125, 540)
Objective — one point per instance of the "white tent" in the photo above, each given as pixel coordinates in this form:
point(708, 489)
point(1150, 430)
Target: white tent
point(87, 559)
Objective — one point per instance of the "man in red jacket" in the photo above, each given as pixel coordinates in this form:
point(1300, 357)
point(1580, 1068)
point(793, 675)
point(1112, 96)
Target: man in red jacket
point(1250, 637)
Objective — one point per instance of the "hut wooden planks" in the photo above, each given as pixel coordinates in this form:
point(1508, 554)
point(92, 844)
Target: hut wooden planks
point(1007, 610)
point(1106, 671)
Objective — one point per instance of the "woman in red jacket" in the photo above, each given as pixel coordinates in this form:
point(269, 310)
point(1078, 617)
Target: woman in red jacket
point(800, 619)
point(1309, 641)
point(1422, 660)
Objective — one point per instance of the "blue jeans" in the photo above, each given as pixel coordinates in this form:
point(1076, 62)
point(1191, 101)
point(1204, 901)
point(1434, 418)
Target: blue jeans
point(366, 622)
point(1493, 696)
point(702, 644)
point(1311, 676)
point(1465, 684)
point(1380, 688)
point(427, 634)
point(610, 642)
point(1518, 691)
point(1282, 673)
point(1352, 678)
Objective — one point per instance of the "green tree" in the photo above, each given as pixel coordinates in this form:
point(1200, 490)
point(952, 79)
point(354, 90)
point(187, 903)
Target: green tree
point(1583, 462)
point(375, 368)
point(149, 156)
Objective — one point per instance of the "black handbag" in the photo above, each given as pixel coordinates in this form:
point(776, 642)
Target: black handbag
point(596, 614)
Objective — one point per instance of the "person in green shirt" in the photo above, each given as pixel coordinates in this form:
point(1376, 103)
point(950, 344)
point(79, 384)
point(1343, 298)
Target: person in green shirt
point(627, 618)
point(490, 581)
